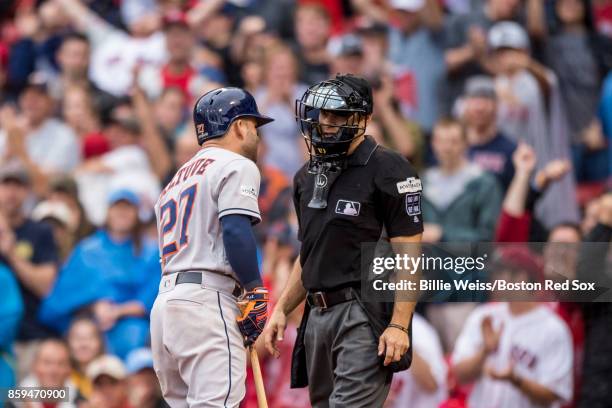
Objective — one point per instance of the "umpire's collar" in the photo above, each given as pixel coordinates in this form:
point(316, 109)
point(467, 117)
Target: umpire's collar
point(364, 151)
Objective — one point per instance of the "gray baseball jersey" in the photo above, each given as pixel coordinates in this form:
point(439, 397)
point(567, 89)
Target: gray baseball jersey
point(214, 183)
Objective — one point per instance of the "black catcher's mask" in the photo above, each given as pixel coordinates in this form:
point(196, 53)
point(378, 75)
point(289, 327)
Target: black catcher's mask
point(345, 96)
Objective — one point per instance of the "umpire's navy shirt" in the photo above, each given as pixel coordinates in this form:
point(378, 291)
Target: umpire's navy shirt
point(377, 188)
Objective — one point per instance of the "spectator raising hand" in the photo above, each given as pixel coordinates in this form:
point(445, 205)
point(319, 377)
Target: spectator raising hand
point(552, 171)
point(524, 159)
point(490, 336)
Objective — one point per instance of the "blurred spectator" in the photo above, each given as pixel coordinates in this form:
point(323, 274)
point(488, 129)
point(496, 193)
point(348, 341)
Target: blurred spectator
point(125, 166)
point(250, 38)
point(58, 215)
point(312, 30)
point(79, 113)
point(602, 14)
point(580, 59)
point(178, 72)
point(115, 52)
point(375, 47)
point(346, 55)
point(530, 109)
point(424, 385)
point(152, 139)
point(73, 58)
point(64, 190)
point(212, 23)
point(415, 49)
point(516, 219)
point(109, 378)
point(43, 144)
point(51, 369)
point(518, 353)
point(143, 386)
point(466, 42)
point(122, 271)
point(169, 110)
point(40, 30)
point(186, 147)
point(488, 146)
point(86, 343)
point(30, 252)
point(11, 313)
point(284, 148)
point(461, 202)
point(403, 135)
point(275, 15)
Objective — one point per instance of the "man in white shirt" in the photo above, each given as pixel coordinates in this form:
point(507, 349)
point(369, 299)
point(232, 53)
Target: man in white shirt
point(518, 353)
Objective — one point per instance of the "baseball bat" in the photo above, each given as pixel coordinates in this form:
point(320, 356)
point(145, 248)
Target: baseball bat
point(262, 401)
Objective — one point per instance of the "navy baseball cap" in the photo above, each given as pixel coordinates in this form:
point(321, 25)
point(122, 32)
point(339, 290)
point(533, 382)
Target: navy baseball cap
point(123, 195)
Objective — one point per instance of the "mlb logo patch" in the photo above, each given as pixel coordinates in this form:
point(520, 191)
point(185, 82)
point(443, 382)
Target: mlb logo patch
point(346, 207)
point(413, 204)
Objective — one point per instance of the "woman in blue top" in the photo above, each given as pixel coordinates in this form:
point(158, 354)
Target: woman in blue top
point(113, 274)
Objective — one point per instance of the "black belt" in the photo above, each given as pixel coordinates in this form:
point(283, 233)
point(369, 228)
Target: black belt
point(196, 277)
point(324, 300)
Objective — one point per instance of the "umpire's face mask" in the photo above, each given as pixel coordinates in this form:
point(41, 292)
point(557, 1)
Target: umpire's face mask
point(331, 115)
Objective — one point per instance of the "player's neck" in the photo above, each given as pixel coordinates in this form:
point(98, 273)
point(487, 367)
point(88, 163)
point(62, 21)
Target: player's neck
point(222, 144)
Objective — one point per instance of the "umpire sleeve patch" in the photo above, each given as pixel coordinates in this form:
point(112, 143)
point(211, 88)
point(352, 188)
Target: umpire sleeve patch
point(410, 185)
point(413, 204)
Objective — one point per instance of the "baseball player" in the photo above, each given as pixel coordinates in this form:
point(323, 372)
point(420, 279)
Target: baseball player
point(211, 302)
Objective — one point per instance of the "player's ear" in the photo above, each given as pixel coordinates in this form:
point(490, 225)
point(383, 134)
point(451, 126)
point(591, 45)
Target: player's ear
point(241, 128)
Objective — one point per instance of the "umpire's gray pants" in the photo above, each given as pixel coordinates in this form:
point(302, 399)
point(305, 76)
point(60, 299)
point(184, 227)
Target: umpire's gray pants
point(344, 369)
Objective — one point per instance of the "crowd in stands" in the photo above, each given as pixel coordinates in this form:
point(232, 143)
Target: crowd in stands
point(504, 107)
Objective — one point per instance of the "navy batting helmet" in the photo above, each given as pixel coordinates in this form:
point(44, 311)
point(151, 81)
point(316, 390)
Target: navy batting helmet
point(216, 110)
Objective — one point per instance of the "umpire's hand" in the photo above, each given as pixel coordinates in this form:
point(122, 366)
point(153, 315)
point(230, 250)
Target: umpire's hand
point(393, 343)
point(275, 331)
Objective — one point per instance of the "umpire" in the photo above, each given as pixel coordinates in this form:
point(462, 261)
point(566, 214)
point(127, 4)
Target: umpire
point(350, 189)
